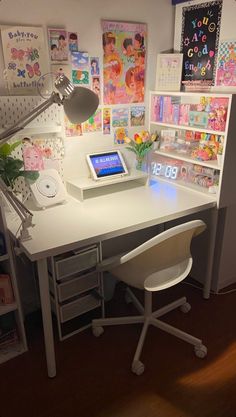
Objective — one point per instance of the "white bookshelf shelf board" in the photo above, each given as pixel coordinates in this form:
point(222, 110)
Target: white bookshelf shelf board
point(191, 186)
point(209, 164)
point(187, 127)
point(11, 352)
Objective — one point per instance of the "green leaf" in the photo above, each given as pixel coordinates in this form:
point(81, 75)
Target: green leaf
point(7, 149)
point(30, 175)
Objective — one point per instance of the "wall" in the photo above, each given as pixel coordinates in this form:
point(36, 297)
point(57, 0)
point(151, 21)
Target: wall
point(84, 16)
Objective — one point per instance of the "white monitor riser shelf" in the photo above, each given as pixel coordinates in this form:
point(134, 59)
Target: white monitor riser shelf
point(87, 187)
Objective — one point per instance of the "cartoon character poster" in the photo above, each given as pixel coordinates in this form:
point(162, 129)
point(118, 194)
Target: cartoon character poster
point(137, 116)
point(58, 44)
point(120, 117)
point(80, 67)
point(106, 120)
point(94, 123)
point(24, 58)
point(226, 65)
point(72, 129)
point(124, 51)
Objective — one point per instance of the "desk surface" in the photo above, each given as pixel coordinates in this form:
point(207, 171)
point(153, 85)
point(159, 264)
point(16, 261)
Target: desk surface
point(74, 224)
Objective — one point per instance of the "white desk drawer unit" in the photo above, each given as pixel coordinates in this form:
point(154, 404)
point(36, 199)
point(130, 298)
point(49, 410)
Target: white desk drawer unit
point(80, 306)
point(75, 263)
point(75, 286)
point(76, 290)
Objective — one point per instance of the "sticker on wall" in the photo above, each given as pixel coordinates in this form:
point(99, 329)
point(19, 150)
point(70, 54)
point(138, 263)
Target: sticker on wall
point(120, 117)
point(119, 135)
point(58, 44)
point(124, 51)
point(137, 116)
point(106, 121)
point(24, 58)
point(226, 65)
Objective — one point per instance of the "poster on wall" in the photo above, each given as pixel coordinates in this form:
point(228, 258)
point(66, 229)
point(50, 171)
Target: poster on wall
point(199, 43)
point(226, 65)
point(124, 51)
point(58, 44)
point(24, 58)
point(80, 67)
point(169, 72)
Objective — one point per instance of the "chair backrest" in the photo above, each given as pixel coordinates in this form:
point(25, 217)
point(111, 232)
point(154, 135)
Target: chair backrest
point(166, 250)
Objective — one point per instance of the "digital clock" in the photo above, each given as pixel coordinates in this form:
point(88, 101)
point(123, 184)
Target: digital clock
point(165, 170)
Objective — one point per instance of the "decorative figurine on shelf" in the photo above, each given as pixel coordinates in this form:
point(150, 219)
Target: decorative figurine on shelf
point(141, 144)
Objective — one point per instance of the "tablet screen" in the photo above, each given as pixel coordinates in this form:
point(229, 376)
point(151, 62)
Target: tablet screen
point(106, 164)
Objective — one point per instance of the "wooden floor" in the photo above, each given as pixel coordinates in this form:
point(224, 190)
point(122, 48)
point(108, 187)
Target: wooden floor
point(94, 377)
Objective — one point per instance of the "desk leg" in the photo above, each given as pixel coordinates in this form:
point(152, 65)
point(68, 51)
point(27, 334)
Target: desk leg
point(210, 257)
point(47, 317)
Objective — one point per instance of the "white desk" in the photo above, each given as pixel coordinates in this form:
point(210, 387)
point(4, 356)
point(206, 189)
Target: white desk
point(76, 224)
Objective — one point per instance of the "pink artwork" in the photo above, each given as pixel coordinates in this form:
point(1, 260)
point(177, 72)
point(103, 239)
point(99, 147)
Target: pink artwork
point(226, 65)
point(124, 53)
point(33, 158)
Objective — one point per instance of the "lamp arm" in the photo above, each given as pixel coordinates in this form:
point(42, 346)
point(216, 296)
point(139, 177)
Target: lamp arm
point(24, 214)
point(21, 123)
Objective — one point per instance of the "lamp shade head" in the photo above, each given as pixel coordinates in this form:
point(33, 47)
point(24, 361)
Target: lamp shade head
point(80, 105)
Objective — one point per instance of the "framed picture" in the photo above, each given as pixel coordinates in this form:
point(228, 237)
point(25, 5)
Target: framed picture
point(169, 72)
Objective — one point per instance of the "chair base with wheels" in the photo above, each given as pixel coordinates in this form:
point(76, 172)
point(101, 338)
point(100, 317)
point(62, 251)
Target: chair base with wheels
point(148, 317)
point(175, 266)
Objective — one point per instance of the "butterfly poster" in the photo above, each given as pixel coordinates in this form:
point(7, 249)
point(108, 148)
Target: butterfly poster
point(24, 58)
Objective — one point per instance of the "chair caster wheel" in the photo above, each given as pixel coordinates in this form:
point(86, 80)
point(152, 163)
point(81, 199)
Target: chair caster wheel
point(185, 308)
point(200, 351)
point(97, 331)
point(138, 368)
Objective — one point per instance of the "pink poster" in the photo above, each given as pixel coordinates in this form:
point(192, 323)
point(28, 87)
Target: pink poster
point(226, 65)
point(124, 51)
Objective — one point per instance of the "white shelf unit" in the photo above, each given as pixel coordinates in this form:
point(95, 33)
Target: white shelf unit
point(224, 257)
point(7, 266)
point(223, 171)
point(76, 289)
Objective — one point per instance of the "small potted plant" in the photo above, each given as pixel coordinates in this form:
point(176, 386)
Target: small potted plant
point(11, 168)
point(141, 144)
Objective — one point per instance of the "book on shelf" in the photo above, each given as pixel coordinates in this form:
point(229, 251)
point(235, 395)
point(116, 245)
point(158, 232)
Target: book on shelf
point(6, 291)
point(8, 338)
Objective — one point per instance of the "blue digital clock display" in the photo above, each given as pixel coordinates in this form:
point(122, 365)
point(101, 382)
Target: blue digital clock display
point(165, 170)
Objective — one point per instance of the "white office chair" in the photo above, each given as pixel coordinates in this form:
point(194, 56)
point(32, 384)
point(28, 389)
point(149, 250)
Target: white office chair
point(161, 262)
